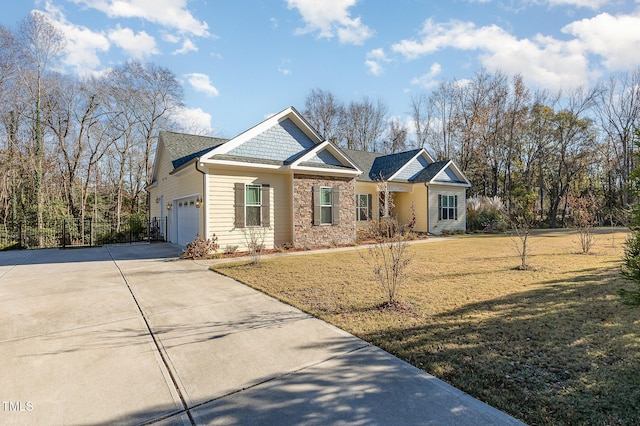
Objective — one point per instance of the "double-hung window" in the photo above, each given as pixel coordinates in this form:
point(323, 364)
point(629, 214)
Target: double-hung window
point(253, 205)
point(363, 207)
point(447, 207)
point(326, 205)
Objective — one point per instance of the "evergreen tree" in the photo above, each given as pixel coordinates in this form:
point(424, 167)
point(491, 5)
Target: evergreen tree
point(631, 265)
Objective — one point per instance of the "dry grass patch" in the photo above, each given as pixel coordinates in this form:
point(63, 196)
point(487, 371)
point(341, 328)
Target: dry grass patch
point(550, 346)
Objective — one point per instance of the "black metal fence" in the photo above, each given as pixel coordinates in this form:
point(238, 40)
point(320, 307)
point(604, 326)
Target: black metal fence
point(82, 233)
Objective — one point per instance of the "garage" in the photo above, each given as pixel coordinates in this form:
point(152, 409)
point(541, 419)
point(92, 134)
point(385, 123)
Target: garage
point(187, 217)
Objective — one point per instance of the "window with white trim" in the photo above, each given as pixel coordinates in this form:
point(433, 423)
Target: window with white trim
point(326, 206)
point(447, 207)
point(363, 207)
point(253, 205)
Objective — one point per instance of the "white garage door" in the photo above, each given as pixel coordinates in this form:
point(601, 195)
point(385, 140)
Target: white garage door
point(187, 220)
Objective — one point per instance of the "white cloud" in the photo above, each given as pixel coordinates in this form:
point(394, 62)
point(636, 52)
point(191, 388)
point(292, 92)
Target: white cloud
point(83, 44)
point(202, 83)
point(138, 45)
point(589, 4)
point(542, 60)
point(330, 19)
point(615, 38)
point(374, 61)
point(187, 46)
point(194, 121)
point(168, 13)
point(428, 80)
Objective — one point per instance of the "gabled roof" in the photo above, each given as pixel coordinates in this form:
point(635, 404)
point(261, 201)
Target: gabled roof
point(442, 172)
point(431, 171)
point(377, 166)
point(284, 141)
point(182, 148)
point(394, 167)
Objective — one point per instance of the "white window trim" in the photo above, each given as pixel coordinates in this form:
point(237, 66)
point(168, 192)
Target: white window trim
point(259, 186)
point(366, 207)
point(323, 206)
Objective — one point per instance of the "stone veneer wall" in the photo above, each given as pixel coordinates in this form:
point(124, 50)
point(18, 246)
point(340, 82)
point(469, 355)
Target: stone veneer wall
point(308, 235)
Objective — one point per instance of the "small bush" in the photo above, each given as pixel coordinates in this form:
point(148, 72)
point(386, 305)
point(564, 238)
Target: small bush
point(201, 248)
point(231, 248)
point(485, 214)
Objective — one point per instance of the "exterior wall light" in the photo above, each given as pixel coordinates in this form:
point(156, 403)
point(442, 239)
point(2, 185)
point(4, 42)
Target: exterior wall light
point(169, 206)
point(199, 202)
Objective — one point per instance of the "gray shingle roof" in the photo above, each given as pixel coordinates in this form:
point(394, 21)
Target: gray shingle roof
point(378, 166)
point(430, 171)
point(182, 148)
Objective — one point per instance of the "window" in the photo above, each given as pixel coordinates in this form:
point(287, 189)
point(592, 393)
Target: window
point(447, 207)
point(326, 202)
point(363, 207)
point(326, 206)
point(253, 205)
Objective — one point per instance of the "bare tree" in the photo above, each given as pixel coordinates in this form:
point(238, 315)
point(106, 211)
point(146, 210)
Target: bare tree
point(326, 114)
point(572, 149)
point(618, 109)
point(41, 45)
point(396, 137)
point(365, 124)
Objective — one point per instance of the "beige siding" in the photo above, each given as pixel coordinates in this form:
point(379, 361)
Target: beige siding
point(221, 212)
point(438, 226)
point(170, 188)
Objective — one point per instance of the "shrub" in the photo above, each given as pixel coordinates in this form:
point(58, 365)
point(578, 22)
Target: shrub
point(485, 214)
point(231, 248)
point(201, 248)
point(388, 259)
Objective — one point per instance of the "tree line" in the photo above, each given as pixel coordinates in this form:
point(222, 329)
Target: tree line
point(509, 139)
point(81, 147)
point(72, 146)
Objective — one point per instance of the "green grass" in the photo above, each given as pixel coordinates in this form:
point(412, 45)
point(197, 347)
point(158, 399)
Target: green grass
point(550, 346)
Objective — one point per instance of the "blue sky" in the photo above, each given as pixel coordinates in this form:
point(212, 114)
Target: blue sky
point(240, 61)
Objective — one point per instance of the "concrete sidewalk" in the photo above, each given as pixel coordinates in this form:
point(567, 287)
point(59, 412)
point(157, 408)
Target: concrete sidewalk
point(76, 349)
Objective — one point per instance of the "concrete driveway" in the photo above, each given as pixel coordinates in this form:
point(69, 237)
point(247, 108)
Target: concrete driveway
point(131, 335)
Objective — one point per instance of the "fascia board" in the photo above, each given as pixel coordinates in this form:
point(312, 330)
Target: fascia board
point(331, 148)
point(327, 172)
point(156, 160)
point(240, 164)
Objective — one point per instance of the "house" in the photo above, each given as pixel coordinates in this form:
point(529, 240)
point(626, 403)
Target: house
point(282, 182)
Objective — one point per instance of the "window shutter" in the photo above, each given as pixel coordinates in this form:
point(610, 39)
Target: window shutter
point(316, 205)
point(369, 207)
point(455, 206)
point(335, 206)
point(239, 205)
point(439, 206)
point(266, 206)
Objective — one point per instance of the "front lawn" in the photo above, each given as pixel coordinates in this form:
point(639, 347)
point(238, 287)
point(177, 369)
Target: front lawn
point(550, 346)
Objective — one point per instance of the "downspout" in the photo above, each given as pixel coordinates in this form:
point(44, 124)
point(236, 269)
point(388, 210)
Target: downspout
point(428, 212)
point(205, 197)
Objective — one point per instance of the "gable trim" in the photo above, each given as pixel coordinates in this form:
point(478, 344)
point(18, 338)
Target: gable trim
point(256, 130)
point(326, 145)
point(422, 152)
point(465, 182)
